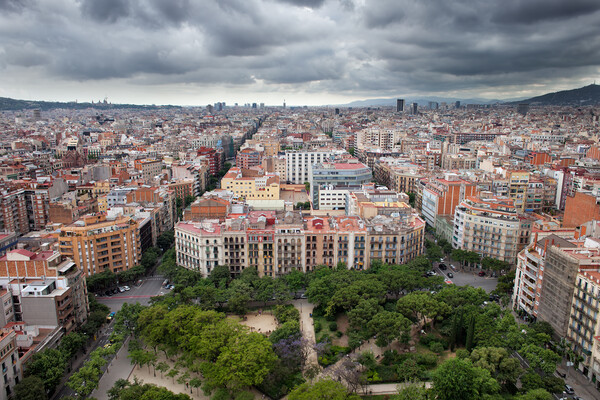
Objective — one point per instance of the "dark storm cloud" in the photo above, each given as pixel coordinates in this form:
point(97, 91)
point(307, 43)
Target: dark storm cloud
point(12, 5)
point(105, 10)
point(533, 11)
point(360, 47)
point(305, 3)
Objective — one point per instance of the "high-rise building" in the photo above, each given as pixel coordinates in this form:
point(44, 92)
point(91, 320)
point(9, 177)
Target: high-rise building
point(415, 108)
point(441, 196)
point(400, 105)
point(457, 104)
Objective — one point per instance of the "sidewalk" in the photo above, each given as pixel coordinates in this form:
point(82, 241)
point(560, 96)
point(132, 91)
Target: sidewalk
point(119, 368)
point(307, 328)
point(582, 386)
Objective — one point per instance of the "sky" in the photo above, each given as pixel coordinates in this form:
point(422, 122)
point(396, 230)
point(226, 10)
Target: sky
point(306, 52)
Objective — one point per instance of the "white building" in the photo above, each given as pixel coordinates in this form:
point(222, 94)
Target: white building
point(298, 163)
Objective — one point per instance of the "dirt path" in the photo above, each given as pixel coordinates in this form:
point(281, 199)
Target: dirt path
point(307, 328)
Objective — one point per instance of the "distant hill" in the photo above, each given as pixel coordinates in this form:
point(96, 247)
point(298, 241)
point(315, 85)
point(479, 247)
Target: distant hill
point(587, 95)
point(8, 104)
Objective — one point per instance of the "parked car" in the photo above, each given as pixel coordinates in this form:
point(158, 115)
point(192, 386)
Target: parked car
point(481, 273)
point(442, 267)
point(126, 288)
point(569, 389)
point(450, 275)
point(431, 273)
point(561, 374)
point(121, 289)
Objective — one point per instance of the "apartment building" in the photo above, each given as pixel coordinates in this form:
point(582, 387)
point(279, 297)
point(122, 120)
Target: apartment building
point(263, 187)
point(440, 196)
point(279, 242)
point(332, 180)
point(298, 163)
point(248, 158)
point(13, 212)
point(12, 371)
point(487, 225)
point(584, 330)
point(46, 265)
point(518, 185)
point(561, 268)
point(97, 243)
point(149, 169)
point(529, 274)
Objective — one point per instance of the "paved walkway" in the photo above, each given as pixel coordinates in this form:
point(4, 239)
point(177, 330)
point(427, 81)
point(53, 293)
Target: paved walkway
point(119, 368)
point(307, 329)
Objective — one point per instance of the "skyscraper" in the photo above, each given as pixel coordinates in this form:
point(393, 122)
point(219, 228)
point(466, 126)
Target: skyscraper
point(415, 108)
point(399, 105)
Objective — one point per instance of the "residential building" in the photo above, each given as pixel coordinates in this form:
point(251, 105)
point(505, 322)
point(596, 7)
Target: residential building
point(441, 196)
point(96, 243)
point(149, 169)
point(487, 225)
point(12, 370)
point(262, 187)
point(529, 274)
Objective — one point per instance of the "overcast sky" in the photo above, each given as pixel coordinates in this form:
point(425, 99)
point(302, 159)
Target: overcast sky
point(309, 52)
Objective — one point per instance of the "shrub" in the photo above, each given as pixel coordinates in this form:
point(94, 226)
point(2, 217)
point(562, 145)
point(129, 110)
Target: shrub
point(286, 313)
point(462, 353)
point(436, 347)
point(427, 339)
point(339, 334)
point(318, 327)
point(333, 326)
point(427, 360)
point(244, 396)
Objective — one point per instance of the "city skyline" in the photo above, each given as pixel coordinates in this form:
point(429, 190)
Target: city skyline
point(306, 52)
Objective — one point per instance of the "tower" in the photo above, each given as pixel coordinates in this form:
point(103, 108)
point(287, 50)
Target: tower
point(399, 105)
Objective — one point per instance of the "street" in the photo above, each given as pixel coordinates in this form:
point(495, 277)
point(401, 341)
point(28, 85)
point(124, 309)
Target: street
point(460, 278)
point(150, 287)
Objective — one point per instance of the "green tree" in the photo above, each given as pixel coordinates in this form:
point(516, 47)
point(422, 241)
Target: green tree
point(165, 240)
point(351, 150)
point(286, 330)
point(30, 388)
point(420, 306)
point(239, 296)
point(536, 394)
point(72, 343)
point(362, 314)
point(538, 357)
point(411, 391)
point(219, 274)
point(245, 361)
point(49, 365)
point(457, 379)
point(388, 326)
point(504, 368)
point(173, 372)
point(325, 389)
point(85, 380)
point(162, 367)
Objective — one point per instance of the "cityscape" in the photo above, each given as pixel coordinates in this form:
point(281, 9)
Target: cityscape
point(299, 199)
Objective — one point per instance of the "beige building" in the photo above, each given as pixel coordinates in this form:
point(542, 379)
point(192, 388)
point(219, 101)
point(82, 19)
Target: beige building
point(149, 169)
point(10, 362)
point(487, 225)
point(264, 187)
point(96, 243)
